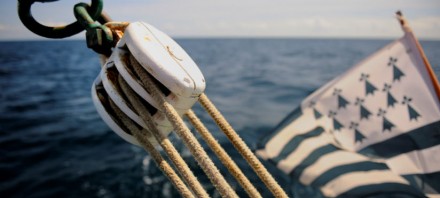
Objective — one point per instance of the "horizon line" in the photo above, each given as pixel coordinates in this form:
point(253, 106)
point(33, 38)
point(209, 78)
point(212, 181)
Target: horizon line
point(236, 37)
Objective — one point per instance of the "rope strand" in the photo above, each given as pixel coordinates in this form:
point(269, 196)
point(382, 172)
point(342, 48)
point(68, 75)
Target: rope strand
point(141, 136)
point(222, 155)
point(242, 148)
point(185, 134)
point(166, 144)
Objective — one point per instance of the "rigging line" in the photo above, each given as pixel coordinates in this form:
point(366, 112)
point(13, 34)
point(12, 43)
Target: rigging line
point(222, 155)
point(141, 136)
point(242, 148)
point(166, 144)
point(185, 134)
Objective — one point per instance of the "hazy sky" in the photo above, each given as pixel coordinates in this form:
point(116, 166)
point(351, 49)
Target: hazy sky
point(247, 18)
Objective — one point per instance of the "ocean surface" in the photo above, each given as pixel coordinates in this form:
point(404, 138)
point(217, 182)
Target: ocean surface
point(54, 144)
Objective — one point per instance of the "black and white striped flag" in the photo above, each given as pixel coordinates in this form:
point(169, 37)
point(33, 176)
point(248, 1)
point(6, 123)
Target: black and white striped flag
point(374, 129)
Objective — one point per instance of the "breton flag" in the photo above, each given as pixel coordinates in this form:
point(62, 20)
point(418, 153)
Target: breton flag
point(374, 130)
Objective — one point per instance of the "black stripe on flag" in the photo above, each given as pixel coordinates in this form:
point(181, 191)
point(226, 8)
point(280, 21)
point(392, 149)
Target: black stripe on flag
point(417, 139)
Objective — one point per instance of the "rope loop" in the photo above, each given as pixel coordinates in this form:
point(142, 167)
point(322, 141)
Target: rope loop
point(56, 32)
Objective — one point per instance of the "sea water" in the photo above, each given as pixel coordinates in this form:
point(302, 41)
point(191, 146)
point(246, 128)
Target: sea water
point(54, 144)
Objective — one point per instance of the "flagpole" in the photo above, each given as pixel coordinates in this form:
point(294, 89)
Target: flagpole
point(408, 30)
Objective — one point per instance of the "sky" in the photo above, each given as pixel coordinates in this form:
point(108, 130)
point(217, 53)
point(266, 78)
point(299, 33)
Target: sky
point(246, 18)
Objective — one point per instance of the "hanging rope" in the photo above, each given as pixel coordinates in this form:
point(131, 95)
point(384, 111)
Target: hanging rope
point(141, 136)
point(184, 133)
point(166, 144)
point(222, 155)
point(242, 148)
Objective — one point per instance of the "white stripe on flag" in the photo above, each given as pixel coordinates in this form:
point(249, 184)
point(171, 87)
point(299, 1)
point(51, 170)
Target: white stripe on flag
point(348, 181)
point(304, 149)
point(416, 162)
point(328, 162)
point(274, 147)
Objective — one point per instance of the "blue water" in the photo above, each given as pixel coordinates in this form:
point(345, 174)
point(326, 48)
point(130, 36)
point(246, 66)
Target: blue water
point(54, 144)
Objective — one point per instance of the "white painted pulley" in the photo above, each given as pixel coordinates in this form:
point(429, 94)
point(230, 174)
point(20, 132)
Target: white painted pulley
point(180, 78)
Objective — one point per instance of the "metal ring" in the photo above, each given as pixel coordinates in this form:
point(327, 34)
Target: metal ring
point(24, 12)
